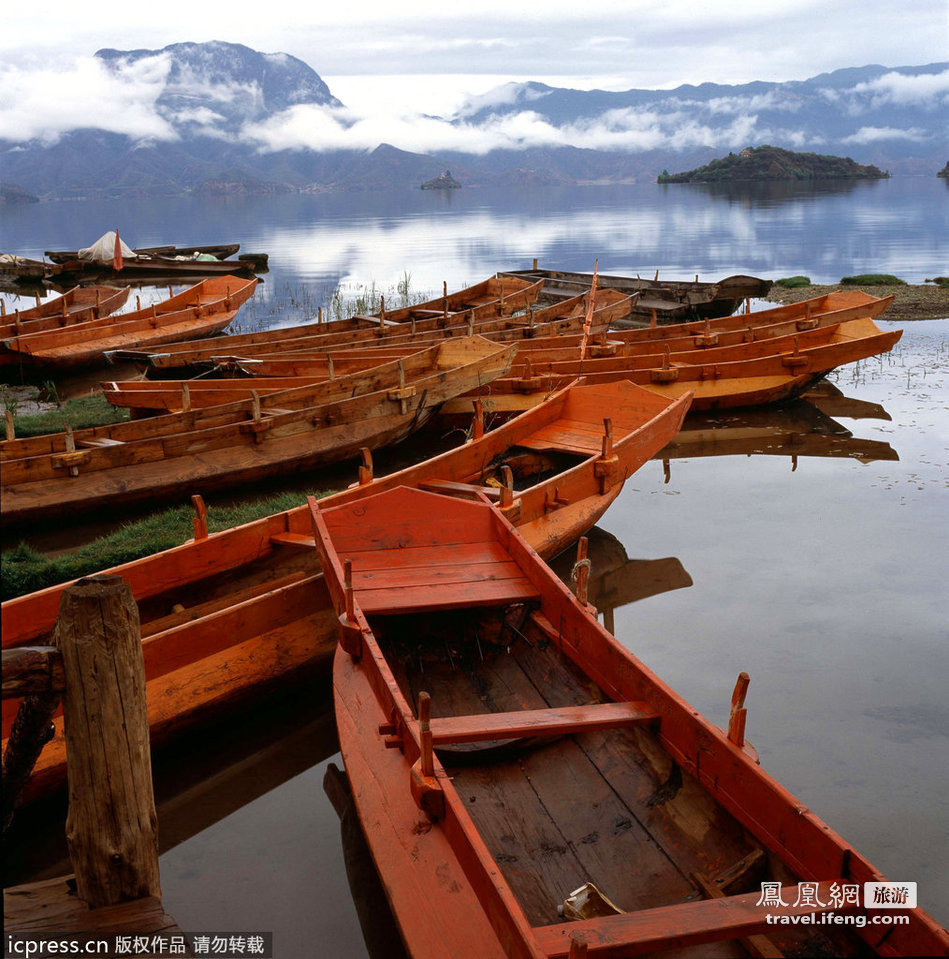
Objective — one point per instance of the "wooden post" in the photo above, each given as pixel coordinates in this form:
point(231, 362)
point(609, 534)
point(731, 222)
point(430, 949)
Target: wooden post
point(578, 949)
point(111, 827)
point(10, 431)
point(365, 470)
point(534, 267)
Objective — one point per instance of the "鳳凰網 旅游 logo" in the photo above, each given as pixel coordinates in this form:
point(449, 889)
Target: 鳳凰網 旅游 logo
point(837, 903)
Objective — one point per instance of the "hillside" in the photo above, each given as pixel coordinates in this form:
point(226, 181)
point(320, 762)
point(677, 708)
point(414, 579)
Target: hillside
point(773, 163)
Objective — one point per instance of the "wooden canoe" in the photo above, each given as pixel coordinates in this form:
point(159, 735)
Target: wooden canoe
point(220, 252)
point(201, 309)
point(171, 456)
point(543, 758)
point(714, 385)
point(236, 610)
point(662, 301)
point(312, 368)
point(505, 317)
point(490, 298)
point(77, 305)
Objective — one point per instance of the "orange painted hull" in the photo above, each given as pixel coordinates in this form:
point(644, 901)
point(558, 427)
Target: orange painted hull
point(205, 308)
point(255, 605)
point(552, 757)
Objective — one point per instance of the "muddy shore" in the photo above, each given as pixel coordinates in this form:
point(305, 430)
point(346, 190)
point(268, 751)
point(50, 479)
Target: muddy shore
point(924, 301)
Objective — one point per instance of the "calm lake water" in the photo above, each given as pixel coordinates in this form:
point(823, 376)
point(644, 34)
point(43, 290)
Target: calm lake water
point(814, 558)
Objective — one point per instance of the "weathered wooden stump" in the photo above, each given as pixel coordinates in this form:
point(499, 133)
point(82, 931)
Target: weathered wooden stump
point(111, 827)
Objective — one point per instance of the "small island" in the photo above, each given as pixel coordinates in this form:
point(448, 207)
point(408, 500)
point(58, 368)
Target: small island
point(444, 181)
point(773, 163)
point(11, 193)
point(944, 172)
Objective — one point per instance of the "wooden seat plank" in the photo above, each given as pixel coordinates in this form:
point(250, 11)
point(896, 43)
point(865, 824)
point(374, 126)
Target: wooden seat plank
point(676, 926)
point(539, 722)
point(463, 554)
point(410, 577)
point(451, 596)
point(465, 489)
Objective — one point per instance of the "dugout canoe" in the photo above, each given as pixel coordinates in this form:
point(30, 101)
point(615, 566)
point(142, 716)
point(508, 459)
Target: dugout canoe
point(226, 614)
point(660, 301)
point(714, 385)
point(169, 456)
point(200, 310)
point(529, 789)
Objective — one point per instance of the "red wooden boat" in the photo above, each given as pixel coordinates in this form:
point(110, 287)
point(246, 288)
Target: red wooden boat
point(225, 615)
point(529, 789)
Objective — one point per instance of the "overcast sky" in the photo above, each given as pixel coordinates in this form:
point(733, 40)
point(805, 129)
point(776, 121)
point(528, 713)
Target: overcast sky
point(391, 62)
point(611, 43)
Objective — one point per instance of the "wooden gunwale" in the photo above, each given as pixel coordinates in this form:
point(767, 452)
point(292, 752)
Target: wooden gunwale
point(371, 702)
point(642, 423)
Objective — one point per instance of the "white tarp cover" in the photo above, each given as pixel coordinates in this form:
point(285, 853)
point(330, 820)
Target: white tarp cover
point(103, 249)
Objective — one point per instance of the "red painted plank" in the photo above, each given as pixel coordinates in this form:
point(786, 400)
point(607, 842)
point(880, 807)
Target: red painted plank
point(539, 722)
point(459, 554)
point(436, 575)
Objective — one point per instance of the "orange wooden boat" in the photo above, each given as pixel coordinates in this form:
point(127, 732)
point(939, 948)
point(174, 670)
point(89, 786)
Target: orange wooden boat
point(167, 395)
point(714, 385)
point(168, 456)
point(225, 615)
point(491, 299)
point(78, 305)
point(529, 789)
point(202, 309)
point(563, 318)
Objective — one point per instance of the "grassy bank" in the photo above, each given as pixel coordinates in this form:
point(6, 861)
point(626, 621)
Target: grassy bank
point(24, 569)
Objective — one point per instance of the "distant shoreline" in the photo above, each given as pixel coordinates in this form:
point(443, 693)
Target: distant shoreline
point(924, 301)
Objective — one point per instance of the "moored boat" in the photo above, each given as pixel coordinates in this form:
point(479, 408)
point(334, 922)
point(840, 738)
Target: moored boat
point(659, 301)
point(227, 613)
point(163, 457)
point(201, 309)
point(528, 788)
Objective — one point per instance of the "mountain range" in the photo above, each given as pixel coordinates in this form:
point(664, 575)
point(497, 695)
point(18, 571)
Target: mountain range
point(221, 117)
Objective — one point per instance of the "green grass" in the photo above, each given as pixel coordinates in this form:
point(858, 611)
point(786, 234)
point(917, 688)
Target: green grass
point(793, 282)
point(78, 413)
point(873, 279)
point(25, 569)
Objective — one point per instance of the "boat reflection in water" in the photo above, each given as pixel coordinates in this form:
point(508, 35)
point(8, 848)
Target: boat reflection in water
point(801, 428)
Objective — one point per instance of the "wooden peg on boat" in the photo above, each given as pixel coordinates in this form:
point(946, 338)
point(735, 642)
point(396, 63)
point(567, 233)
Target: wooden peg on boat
point(185, 398)
point(738, 714)
point(331, 366)
point(580, 573)
point(348, 591)
point(655, 279)
point(319, 315)
point(412, 324)
point(382, 312)
point(470, 322)
point(507, 487)
point(255, 405)
point(200, 519)
point(534, 267)
point(38, 299)
point(427, 754)
point(607, 449)
point(3, 308)
point(444, 301)
point(365, 469)
point(578, 949)
point(10, 432)
point(138, 302)
point(477, 425)
point(652, 319)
